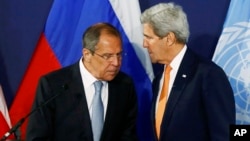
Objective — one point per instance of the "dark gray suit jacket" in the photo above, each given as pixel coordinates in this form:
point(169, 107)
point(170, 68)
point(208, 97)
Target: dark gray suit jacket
point(66, 118)
point(201, 104)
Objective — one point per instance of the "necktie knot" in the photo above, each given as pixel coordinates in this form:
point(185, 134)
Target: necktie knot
point(98, 86)
point(166, 82)
point(168, 69)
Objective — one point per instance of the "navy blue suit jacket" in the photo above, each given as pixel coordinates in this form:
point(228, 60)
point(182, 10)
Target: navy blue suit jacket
point(66, 118)
point(201, 103)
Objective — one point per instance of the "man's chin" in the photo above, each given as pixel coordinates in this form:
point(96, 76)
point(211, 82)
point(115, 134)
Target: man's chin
point(153, 61)
point(111, 76)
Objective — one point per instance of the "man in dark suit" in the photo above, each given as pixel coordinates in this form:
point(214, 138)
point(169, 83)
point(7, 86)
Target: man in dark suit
point(199, 101)
point(70, 115)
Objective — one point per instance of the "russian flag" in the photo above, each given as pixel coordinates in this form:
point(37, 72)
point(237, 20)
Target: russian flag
point(60, 45)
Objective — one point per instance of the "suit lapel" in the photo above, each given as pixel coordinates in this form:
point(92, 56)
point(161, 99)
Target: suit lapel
point(112, 106)
point(79, 99)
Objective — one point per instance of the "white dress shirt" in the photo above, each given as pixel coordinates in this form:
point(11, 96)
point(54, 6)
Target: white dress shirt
point(88, 83)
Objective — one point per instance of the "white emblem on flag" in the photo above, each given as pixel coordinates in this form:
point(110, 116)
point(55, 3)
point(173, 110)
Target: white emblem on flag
point(233, 55)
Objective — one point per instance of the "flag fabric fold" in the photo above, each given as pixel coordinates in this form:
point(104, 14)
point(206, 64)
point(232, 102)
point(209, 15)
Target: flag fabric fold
point(233, 55)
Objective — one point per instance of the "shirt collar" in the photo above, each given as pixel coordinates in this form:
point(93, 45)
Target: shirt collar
point(87, 78)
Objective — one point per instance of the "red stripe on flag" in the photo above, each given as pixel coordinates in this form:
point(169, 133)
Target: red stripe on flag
point(42, 62)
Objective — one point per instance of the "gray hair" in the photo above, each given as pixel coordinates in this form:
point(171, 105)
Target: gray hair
point(92, 34)
point(165, 18)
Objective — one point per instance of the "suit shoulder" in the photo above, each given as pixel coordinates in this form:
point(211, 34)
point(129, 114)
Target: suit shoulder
point(207, 64)
point(62, 72)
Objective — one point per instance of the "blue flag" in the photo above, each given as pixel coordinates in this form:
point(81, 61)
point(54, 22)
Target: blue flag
point(233, 55)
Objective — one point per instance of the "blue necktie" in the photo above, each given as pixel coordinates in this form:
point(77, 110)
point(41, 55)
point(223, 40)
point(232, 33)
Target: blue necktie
point(97, 112)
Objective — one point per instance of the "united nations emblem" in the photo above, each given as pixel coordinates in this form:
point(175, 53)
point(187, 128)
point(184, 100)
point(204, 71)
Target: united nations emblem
point(233, 55)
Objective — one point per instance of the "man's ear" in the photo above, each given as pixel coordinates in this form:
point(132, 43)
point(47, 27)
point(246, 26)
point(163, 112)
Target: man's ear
point(86, 54)
point(170, 38)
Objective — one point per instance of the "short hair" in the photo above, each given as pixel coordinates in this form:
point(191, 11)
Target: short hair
point(165, 18)
point(92, 34)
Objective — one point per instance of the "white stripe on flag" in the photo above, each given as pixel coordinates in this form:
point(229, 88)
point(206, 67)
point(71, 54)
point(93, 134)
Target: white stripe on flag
point(3, 107)
point(130, 21)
